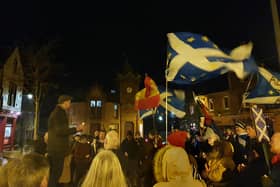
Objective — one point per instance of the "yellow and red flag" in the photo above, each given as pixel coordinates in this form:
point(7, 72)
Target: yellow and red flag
point(149, 96)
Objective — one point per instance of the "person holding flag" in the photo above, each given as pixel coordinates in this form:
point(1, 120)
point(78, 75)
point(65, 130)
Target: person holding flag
point(274, 175)
point(256, 167)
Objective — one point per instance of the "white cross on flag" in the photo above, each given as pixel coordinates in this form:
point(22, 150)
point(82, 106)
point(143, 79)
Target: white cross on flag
point(259, 123)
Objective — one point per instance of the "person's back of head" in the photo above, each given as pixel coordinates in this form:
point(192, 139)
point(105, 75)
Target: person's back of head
point(4, 171)
point(32, 170)
point(112, 140)
point(105, 171)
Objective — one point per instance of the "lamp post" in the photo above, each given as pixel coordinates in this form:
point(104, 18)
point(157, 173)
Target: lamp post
point(27, 115)
point(276, 25)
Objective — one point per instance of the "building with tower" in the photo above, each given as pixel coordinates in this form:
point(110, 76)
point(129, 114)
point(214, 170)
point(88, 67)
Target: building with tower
point(106, 109)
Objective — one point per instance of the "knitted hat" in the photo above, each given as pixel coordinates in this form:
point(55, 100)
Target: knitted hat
point(240, 124)
point(178, 138)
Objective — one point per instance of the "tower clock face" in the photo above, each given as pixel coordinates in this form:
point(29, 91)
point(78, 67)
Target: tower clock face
point(128, 89)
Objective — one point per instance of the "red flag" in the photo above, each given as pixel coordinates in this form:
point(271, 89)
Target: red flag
point(206, 113)
point(149, 96)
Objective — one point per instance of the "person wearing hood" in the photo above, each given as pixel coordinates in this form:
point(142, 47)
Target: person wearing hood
point(171, 171)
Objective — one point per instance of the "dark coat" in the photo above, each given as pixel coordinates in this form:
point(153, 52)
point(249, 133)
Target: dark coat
point(241, 153)
point(275, 175)
point(58, 133)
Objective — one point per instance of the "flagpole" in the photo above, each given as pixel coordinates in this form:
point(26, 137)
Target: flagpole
point(276, 25)
point(154, 120)
point(246, 90)
point(166, 112)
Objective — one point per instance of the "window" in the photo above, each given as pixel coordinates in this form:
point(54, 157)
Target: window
point(116, 111)
point(211, 104)
point(98, 103)
point(92, 103)
point(96, 108)
point(12, 94)
point(226, 102)
point(8, 131)
point(95, 103)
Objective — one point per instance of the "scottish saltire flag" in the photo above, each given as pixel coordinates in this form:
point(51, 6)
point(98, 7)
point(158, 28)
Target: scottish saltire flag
point(146, 113)
point(193, 58)
point(148, 97)
point(260, 123)
point(267, 89)
point(175, 104)
point(175, 101)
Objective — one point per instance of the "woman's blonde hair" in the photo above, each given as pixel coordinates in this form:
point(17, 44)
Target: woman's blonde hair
point(112, 140)
point(105, 171)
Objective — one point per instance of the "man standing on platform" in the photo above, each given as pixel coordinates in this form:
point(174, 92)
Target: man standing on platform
point(58, 138)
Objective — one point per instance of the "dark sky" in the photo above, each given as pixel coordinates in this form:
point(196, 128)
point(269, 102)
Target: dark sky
point(95, 36)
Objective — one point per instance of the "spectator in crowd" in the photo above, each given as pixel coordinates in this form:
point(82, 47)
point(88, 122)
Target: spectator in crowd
point(32, 170)
point(105, 171)
point(171, 171)
point(112, 143)
point(82, 157)
point(130, 151)
point(139, 139)
point(275, 161)
point(256, 167)
point(100, 141)
point(220, 167)
point(240, 144)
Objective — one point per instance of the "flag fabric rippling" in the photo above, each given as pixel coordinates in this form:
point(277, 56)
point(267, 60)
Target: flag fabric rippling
point(267, 89)
point(193, 58)
point(175, 103)
point(260, 123)
point(148, 97)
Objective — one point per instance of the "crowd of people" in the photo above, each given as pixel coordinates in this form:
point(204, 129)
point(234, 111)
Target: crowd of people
point(235, 158)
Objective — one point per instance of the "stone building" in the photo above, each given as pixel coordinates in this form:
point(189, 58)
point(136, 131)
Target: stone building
point(11, 90)
point(109, 109)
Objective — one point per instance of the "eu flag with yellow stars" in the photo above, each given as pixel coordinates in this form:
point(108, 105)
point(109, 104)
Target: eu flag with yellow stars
point(193, 58)
point(266, 90)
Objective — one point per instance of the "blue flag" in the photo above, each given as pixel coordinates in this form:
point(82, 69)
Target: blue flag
point(193, 58)
point(260, 123)
point(175, 104)
point(267, 89)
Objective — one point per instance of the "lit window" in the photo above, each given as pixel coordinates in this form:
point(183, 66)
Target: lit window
point(226, 102)
point(116, 111)
point(98, 103)
point(211, 104)
point(92, 103)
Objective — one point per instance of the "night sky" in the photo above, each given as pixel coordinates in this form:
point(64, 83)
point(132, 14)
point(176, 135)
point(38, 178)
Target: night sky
point(96, 38)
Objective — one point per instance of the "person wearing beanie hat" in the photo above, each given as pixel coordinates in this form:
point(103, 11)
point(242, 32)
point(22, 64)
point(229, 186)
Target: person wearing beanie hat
point(178, 138)
point(240, 124)
point(241, 143)
point(58, 138)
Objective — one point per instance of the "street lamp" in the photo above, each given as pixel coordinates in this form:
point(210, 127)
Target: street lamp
point(30, 96)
